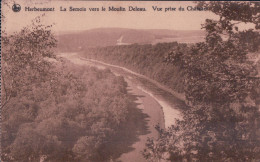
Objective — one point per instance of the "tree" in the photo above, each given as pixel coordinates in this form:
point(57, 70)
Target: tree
point(25, 56)
point(221, 123)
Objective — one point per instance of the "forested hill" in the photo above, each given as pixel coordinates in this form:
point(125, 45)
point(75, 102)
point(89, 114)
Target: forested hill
point(70, 117)
point(54, 110)
point(102, 37)
point(148, 60)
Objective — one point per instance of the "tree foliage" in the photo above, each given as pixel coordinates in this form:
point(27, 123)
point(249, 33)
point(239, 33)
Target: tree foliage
point(52, 109)
point(247, 12)
point(25, 58)
point(221, 89)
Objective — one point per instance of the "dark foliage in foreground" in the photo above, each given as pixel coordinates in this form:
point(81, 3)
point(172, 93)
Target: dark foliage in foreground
point(53, 110)
point(222, 88)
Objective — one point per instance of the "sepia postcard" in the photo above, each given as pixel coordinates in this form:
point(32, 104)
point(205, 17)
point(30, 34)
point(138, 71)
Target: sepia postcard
point(130, 81)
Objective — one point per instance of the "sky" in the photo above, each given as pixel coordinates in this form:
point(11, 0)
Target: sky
point(71, 21)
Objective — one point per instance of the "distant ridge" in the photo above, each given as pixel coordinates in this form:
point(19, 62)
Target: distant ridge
point(101, 37)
